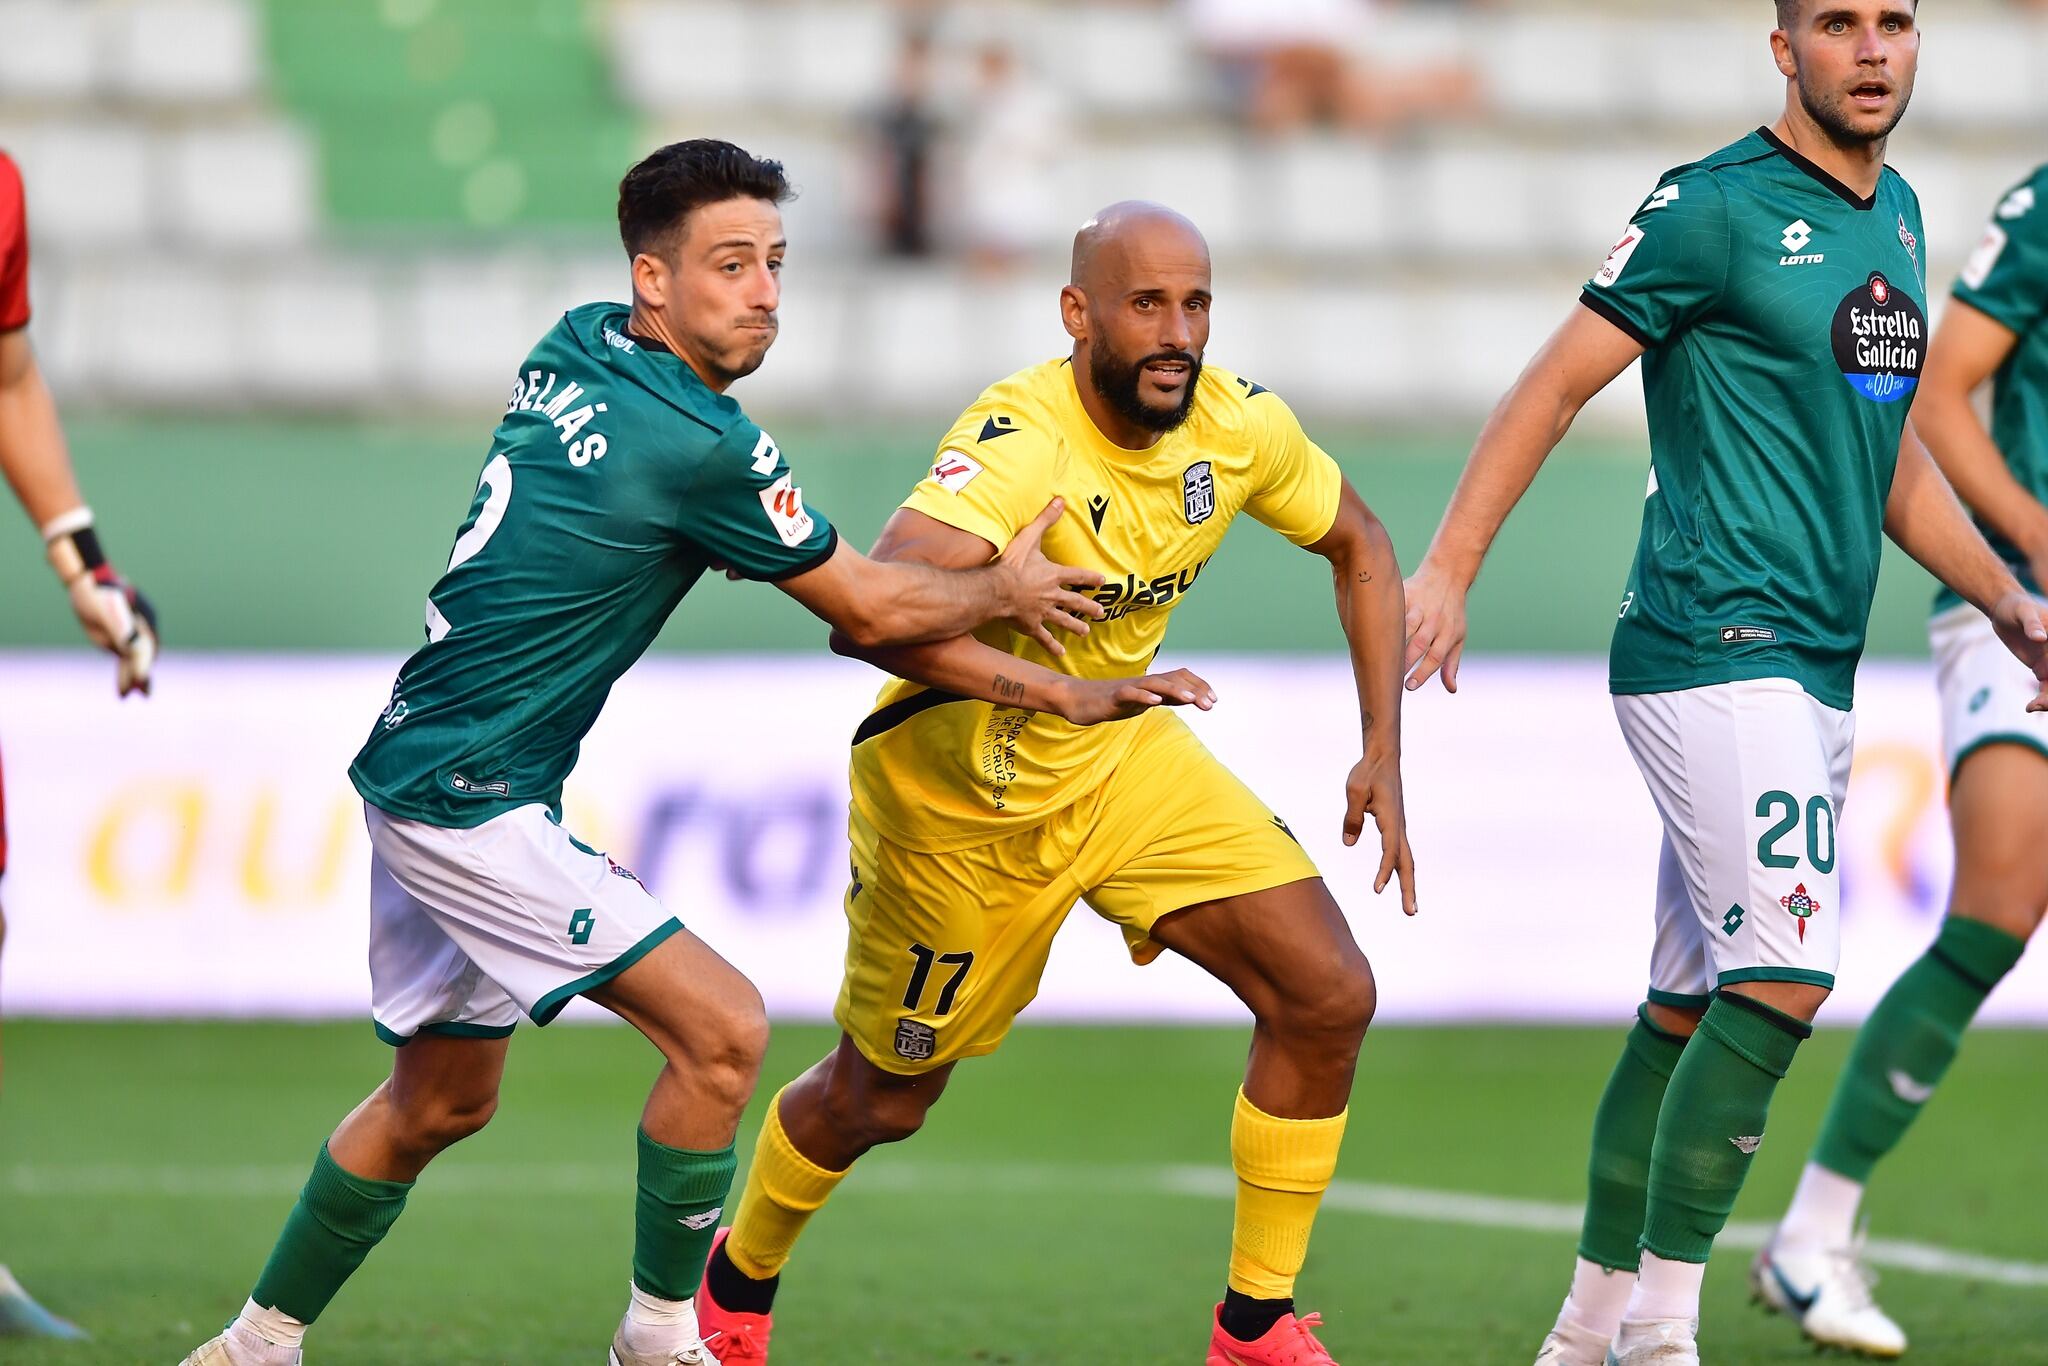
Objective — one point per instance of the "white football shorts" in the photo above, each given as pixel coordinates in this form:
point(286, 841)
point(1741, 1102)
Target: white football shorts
point(1749, 778)
point(471, 928)
point(1984, 690)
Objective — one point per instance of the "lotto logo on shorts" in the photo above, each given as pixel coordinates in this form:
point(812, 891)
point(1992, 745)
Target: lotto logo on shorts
point(916, 1040)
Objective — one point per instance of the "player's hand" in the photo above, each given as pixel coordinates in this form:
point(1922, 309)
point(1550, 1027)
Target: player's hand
point(117, 618)
point(2017, 619)
point(1040, 594)
point(1374, 788)
point(1090, 701)
point(1436, 626)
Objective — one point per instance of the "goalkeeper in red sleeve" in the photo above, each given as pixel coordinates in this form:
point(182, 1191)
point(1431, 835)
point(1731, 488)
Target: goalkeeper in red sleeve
point(114, 615)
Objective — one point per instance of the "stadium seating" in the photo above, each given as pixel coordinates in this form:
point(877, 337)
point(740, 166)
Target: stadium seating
point(422, 162)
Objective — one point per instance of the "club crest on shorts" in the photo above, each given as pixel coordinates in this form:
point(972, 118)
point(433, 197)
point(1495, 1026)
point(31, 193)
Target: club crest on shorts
point(1801, 904)
point(1198, 492)
point(916, 1040)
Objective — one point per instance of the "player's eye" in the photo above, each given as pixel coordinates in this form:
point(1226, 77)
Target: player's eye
point(1198, 305)
point(1143, 305)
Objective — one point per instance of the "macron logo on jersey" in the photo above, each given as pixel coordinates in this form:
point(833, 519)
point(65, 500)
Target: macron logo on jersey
point(784, 504)
point(955, 470)
point(1617, 259)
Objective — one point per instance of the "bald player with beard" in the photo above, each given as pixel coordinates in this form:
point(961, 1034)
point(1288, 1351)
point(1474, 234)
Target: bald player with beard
point(980, 817)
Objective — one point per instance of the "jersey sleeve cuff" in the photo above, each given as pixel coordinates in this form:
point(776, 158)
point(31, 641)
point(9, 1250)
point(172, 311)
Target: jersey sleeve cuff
point(962, 517)
point(2004, 315)
point(831, 548)
point(1618, 318)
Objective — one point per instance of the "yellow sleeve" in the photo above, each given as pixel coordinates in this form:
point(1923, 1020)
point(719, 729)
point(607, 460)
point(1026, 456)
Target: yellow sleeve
point(1297, 484)
point(994, 472)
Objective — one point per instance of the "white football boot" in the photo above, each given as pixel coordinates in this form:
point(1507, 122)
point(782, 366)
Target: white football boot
point(243, 1348)
point(1656, 1342)
point(1828, 1295)
point(1571, 1344)
point(674, 1345)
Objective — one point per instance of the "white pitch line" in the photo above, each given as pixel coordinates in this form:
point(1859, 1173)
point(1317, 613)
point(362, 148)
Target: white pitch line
point(1415, 1203)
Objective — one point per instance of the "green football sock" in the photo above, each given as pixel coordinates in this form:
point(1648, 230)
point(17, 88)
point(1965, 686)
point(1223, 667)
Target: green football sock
point(1909, 1041)
point(339, 1218)
point(1712, 1121)
point(675, 1216)
point(1625, 1125)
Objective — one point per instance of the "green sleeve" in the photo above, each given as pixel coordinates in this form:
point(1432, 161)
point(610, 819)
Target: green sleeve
point(742, 508)
point(2006, 277)
point(1670, 266)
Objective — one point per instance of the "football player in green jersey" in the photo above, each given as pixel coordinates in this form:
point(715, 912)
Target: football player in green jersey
point(1774, 293)
point(1996, 329)
point(620, 473)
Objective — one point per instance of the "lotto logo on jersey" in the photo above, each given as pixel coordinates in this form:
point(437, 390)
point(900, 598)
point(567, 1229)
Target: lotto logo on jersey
point(1617, 258)
point(784, 504)
point(955, 470)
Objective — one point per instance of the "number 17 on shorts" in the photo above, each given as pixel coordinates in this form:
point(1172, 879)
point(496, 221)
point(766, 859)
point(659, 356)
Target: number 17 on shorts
point(1749, 779)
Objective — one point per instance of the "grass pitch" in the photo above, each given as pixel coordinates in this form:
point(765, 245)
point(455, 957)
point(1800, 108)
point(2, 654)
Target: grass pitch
point(1044, 1216)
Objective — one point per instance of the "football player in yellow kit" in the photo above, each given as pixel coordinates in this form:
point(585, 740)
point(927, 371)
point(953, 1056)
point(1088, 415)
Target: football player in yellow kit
point(980, 817)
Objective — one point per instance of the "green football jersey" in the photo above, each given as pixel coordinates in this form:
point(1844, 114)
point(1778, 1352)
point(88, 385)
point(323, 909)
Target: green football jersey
point(616, 478)
point(1784, 324)
point(2006, 279)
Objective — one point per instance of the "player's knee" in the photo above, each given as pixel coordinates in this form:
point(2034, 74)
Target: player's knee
point(2007, 896)
point(428, 1124)
point(873, 1114)
point(1336, 1004)
point(727, 1048)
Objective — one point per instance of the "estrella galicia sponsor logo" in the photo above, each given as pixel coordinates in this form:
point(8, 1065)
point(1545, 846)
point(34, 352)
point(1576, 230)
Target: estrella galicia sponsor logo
point(1746, 635)
point(1121, 597)
point(1880, 337)
point(1198, 492)
point(477, 789)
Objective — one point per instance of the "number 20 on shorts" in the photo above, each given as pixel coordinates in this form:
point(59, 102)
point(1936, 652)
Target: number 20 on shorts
point(1785, 811)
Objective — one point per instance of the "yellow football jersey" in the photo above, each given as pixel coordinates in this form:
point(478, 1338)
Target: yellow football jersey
point(933, 771)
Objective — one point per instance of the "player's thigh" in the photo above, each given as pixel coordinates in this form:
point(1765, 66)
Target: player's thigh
point(943, 949)
point(1748, 778)
point(542, 916)
point(693, 1005)
point(453, 1077)
point(1182, 855)
point(1997, 755)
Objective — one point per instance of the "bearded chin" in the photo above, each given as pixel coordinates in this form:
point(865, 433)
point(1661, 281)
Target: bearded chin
point(1827, 112)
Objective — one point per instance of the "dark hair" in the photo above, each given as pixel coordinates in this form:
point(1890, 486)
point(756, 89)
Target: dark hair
point(1788, 12)
point(659, 192)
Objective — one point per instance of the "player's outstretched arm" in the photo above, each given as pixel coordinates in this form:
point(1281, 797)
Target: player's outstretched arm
point(875, 602)
point(1923, 516)
point(1581, 358)
point(116, 617)
point(1370, 605)
point(965, 666)
point(1966, 351)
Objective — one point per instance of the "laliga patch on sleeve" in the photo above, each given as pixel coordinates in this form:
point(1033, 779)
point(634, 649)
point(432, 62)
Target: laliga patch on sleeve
point(785, 507)
point(1617, 259)
point(954, 470)
point(1978, 268)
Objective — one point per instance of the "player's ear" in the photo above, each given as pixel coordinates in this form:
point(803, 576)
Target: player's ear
point(1781, 48)
point(650, 280)
point(1074, 311)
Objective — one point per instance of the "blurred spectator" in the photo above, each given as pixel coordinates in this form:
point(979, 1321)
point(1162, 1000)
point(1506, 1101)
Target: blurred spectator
point(1013, 129)
point(907, 131)
point(1295, 65)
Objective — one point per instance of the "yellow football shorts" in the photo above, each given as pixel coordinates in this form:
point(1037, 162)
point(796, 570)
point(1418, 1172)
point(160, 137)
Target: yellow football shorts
point(944, 949)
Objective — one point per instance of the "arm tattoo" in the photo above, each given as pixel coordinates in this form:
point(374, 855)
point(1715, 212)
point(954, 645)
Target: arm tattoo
point(1365, 576)
point(1009, 688)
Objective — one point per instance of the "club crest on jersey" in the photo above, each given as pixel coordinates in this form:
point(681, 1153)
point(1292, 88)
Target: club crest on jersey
point(955, 470)
point(1198, 492)
point(1908, 240)
point(1801, 904)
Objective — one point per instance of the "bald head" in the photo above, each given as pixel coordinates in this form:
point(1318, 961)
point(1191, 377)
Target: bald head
point(1106, 245)
point(1138, 311)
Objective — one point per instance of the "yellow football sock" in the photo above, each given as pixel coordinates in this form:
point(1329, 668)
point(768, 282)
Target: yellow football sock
point(784, 1189)
point(1283, 1167)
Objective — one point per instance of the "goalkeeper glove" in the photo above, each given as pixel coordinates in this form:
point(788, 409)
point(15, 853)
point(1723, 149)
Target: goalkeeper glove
point(115, 615)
